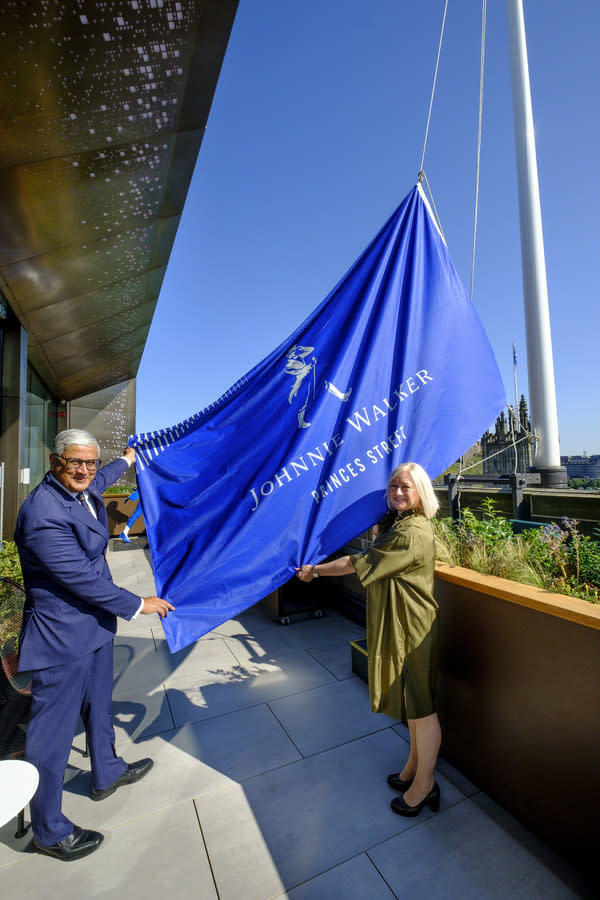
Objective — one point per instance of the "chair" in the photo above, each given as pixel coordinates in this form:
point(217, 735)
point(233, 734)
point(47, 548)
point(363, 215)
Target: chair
point(15, 686)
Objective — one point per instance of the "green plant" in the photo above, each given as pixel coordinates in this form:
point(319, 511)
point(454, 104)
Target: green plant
point(570, 560)
point(119, 488)
point(10, 564)
point(555, 557)
point(10, 567)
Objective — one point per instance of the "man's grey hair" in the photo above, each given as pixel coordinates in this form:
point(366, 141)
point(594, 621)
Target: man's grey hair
point(71, 436)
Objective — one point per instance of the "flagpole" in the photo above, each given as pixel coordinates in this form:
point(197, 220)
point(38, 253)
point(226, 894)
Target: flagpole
point(516, 417)
point(540, 365)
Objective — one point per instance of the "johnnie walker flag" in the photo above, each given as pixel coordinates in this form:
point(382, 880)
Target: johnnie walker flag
point(292, 462)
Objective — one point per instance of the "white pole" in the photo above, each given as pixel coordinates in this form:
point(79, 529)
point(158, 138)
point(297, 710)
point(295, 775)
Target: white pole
point(517, 418)
point(542, 391)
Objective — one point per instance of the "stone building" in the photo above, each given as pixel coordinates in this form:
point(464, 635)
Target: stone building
point(504, 451)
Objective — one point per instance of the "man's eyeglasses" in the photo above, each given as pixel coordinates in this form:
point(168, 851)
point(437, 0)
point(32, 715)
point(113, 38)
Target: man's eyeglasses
point(92, 465)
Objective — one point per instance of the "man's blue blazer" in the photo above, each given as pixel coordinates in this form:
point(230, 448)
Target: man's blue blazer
point(72, 601)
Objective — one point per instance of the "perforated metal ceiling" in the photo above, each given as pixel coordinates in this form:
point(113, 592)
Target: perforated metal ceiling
point(103, 104)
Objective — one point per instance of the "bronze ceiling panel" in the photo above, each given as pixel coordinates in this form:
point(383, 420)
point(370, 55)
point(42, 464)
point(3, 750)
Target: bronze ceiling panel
point(90, 309)
point(103, 104)
point(94, 375)
point(67, 352)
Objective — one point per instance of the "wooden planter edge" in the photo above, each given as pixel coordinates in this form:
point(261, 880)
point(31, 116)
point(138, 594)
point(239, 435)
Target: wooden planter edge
point(570, 608)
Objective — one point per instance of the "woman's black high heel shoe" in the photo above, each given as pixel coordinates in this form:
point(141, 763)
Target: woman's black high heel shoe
point(395, 782)
point(432, 800)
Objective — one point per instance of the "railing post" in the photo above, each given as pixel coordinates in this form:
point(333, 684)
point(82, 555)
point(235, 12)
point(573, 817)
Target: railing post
point(516, 485)
point(452, 482)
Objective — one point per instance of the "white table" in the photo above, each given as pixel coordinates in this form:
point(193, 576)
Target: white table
point(18, 784)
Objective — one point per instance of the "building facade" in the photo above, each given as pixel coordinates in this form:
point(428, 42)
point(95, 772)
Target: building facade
point(582, 466)
point(508, 448)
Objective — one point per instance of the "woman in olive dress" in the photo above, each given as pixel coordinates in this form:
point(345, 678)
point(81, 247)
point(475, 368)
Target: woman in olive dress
point(397, 572)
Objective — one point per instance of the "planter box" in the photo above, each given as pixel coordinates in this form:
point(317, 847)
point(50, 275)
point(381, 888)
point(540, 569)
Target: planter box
point(360, 659)
point(519, 701)
point(118, 509)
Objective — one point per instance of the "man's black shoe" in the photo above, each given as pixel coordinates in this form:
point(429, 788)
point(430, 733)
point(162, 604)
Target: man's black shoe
point(132, 773)
point(79, 843)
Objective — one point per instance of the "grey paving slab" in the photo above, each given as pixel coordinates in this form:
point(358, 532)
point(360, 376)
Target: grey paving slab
point(469, 857)
point(11, 849)
point(140, 627)
point(197, 662)
point(132, 582)
point(296, 822)
point(242, 862)
point(190, 761)
point(138, 666)
point(219, 690)
point(329, 716)
point(147, 587)
point(155, 856)
point(550, 859)
point(335, 657)
point(127, 562)
point(313, 633)
point(357, 879)
point(139, 719)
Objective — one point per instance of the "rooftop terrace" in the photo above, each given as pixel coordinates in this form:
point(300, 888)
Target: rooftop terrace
point(270, 781)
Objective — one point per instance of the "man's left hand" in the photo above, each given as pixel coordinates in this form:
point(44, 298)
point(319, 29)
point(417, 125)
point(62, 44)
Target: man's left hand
point(129, 455)
point(156, 605)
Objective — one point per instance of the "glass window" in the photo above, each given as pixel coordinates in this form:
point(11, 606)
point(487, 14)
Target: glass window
point(41, 427)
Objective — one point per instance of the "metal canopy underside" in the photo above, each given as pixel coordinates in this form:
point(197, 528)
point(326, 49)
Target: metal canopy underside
point(103, 105)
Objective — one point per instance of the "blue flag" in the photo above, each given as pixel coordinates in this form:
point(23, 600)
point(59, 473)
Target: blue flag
point(293, 460)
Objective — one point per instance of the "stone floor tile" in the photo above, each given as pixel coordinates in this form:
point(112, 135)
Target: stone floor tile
point(139, 667)
point(469, 858)
point(329, 716)
point(335, 657)
point(153, 856)
point(196, 660)
point(298, 821)
point(140, 719)
point(219, 690)
point(189, 761)
point(357, 879)
point(241, 859)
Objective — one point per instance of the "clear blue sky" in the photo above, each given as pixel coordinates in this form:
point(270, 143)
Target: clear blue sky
point(315, 136)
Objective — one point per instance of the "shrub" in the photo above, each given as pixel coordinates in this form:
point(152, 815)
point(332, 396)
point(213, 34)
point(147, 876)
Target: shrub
point(10, 567)
point(555, 557)
point(119, 488)
point(10, 564)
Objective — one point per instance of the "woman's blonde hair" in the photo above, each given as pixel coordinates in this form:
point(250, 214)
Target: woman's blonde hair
point(428, 503)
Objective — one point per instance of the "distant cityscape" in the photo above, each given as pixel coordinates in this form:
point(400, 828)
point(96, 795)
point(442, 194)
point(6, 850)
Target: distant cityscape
point(582, 466)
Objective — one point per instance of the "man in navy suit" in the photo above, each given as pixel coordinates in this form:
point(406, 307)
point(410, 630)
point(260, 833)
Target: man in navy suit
point(69, 622)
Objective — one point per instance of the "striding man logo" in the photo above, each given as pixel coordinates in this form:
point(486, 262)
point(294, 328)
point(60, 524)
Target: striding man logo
point(303, 367)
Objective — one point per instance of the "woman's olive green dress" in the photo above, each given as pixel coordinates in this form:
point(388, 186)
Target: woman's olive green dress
point(402, 616)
